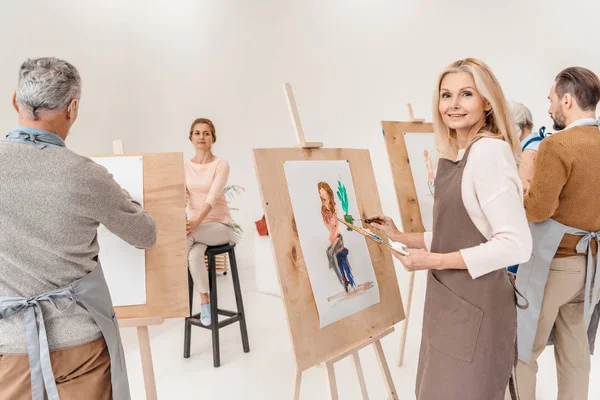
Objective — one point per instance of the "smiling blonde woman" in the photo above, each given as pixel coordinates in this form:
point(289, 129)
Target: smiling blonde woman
point(479, 228)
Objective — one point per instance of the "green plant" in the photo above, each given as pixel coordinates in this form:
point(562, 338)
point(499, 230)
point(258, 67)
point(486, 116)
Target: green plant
point(342, 195)
point(231, 191)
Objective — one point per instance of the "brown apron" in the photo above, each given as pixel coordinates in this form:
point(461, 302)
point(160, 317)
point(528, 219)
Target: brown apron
point(468, 343)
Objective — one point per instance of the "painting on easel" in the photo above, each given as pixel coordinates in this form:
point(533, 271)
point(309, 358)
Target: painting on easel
point(423, 165)
point(338, 262)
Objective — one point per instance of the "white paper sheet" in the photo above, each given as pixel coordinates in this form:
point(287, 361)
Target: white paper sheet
point(332, 300)
point(423, 159)
point(124, 266)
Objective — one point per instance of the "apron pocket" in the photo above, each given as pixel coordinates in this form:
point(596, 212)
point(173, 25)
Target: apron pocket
point(453, 323)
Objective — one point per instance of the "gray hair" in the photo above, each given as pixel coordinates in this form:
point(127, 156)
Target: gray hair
point(521, 116)
point(47, 84)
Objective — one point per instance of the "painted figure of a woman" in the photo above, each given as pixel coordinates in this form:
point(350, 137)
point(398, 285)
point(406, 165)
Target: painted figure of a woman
point(337, 254)
point(430, 173)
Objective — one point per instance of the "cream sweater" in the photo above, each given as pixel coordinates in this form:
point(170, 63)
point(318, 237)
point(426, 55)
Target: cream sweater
point(493, 196)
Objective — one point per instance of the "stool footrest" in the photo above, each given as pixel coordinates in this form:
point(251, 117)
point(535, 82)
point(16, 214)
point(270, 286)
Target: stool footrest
point(227, 313)
point(233, 317)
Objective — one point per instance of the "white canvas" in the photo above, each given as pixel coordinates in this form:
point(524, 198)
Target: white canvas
point(124, 266)
point(423, 171)
point(332, 300)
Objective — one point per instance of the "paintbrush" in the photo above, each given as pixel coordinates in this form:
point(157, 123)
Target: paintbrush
point(397, 246)
point(370, 220)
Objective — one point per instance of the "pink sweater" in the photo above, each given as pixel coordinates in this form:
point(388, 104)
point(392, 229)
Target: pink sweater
point(205, 183)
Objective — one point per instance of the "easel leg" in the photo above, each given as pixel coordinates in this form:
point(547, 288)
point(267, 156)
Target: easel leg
point(361, 375)
point(297, 385)
point(385, 370)
point(411, 284)
point(333, 392)
point(147, 367)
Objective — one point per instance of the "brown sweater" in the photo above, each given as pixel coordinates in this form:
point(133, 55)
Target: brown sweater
point(566, 183)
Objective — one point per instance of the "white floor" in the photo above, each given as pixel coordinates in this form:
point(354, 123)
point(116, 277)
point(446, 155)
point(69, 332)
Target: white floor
point(267, 372)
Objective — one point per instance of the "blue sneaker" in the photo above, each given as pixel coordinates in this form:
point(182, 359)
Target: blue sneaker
point(205, 315)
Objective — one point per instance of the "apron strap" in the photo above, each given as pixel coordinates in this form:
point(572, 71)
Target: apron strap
point(40, 140)
point(40, 366)
point(592, 281)
point(512, 277)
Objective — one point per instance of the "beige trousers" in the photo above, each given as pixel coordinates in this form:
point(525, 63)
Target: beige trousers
point(209, 234)
point(81, 372)
point(562, 307)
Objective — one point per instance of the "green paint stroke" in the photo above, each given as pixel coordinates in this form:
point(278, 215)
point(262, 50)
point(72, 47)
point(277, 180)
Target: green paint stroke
point(342, 195)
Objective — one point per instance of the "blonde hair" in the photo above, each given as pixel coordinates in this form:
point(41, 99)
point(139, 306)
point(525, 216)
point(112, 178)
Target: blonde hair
point(498, 122)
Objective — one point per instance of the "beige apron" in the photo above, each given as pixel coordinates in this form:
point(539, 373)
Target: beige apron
point(468, 344)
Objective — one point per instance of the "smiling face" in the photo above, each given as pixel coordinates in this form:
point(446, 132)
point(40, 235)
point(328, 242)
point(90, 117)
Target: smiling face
point(202, 137)
point(461, 106)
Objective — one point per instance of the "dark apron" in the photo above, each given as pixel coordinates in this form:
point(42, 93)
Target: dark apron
point(468, 344)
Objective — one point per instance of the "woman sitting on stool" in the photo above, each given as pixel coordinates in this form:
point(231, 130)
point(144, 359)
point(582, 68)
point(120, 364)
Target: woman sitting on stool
point(208, 219)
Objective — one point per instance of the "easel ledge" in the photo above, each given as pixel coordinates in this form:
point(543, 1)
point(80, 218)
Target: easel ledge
point(374, 340)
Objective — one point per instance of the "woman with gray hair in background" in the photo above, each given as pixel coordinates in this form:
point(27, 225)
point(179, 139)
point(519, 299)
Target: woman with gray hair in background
point(530, 141)
point(59, 336)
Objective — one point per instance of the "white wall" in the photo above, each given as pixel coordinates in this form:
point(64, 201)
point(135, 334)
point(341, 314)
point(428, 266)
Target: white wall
point(150, 67)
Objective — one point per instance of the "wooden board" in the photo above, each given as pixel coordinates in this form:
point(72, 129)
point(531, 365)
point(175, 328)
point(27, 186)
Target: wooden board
point(311, 344)
point(410, 213)
point(166, 262)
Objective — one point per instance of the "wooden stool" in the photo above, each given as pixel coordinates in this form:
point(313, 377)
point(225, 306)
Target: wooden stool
point(234, 316)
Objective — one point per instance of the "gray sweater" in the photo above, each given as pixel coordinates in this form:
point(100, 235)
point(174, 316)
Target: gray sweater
point(51, 204)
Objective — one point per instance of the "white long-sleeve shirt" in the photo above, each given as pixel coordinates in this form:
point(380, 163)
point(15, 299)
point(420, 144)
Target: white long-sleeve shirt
point(493, 197)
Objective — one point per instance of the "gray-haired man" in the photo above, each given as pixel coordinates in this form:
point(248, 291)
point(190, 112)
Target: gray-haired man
point(51, 204)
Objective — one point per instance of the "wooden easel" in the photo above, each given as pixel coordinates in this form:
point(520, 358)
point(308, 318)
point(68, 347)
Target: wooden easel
point(410, 213)
point(291, 101)
point(142, 325)
point(411, 278)
point(375, 340)
point(383, 365)
point(411, 116)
